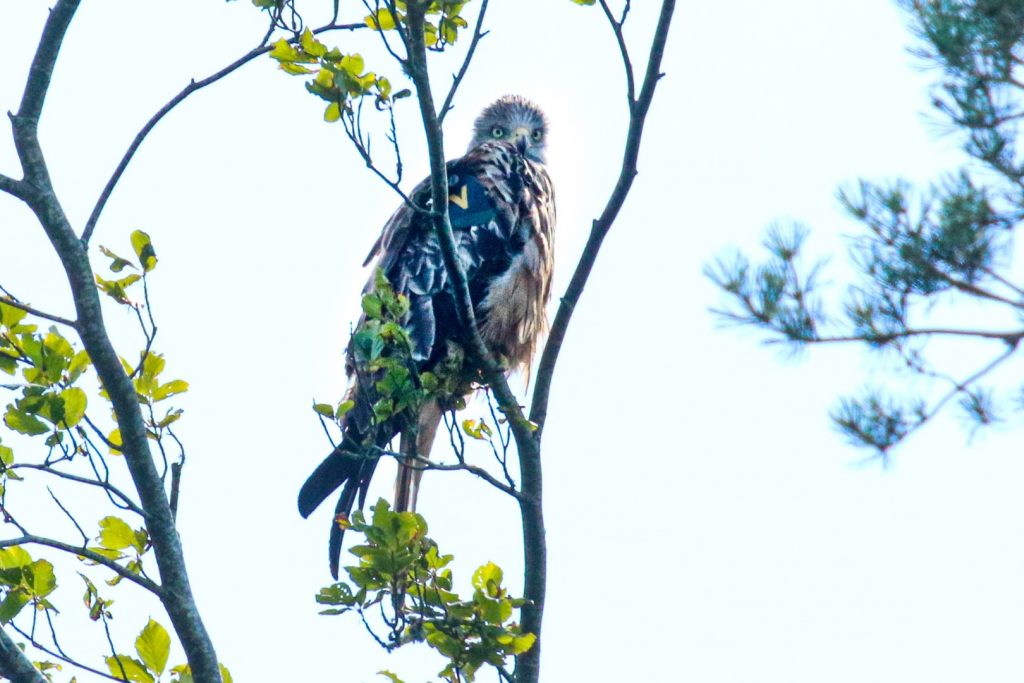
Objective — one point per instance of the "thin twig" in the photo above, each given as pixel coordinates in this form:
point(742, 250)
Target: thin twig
point(42, 648)
point(85, 537)
point(428, 464)
point(616, 25)
point(457, 78)
point(192, 87)
point(601, 226)
point(11, 301)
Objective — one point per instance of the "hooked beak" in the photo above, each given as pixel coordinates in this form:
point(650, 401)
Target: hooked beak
point(521, 133)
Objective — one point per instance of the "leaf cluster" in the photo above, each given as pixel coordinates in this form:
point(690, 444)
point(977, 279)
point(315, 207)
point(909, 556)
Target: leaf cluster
point(339, 79)
point(441, 27)
point(400, 566)
point(24, 581)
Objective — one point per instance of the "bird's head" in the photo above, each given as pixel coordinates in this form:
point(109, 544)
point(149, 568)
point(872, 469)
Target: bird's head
point(513, 119)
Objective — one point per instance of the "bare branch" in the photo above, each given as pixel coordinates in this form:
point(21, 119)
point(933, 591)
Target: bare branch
point(106, 486)
point(478, 33)
point(85, 538)
point(26, 121)
point(428, 464)
point(616, 25)
point(192, 87)
point(63, 657)
point(638, 115)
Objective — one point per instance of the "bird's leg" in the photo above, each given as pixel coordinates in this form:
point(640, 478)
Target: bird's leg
point(415, 444)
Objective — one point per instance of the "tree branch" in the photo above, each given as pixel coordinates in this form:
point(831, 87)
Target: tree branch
point(192, 87)
point(15, 188)
point(90, 555)
point(427, 464)
point(11, 301)
point(14, 665)
point(638, 115)
point(26, 121)
point(457, 78)
point(528, 446)
point(176, 593)
point(616, 25)
point(63, 657)
point(106, 486)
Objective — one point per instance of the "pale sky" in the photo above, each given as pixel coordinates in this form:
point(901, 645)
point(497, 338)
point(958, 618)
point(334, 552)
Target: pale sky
point(705, 522)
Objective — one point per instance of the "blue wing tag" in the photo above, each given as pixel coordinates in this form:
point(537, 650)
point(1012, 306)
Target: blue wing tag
point(468, 203)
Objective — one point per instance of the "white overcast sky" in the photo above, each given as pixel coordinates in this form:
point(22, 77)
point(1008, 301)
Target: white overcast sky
point(705, 523)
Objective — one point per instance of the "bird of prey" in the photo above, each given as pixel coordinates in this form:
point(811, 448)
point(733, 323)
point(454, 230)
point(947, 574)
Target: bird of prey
point(502, 212)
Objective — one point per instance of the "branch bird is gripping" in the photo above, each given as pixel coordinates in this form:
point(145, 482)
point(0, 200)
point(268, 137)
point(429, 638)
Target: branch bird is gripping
point(502, 212)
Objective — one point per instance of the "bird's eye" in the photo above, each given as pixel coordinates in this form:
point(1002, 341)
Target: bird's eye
point(538, 135)
point(497, 132)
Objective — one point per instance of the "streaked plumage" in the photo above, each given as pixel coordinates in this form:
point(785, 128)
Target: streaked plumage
point(503, 217)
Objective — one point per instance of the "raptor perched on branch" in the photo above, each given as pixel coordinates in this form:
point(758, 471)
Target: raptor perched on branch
point(502, 212)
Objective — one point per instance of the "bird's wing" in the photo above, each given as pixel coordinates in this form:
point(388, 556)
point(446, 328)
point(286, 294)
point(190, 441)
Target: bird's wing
point(409, 254)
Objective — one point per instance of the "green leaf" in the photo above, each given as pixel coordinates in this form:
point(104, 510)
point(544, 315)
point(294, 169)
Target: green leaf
point(117, 263)
point(176, 386)
point(133, 668)
point(225, 674)
point(324, 409)
point(74, 405)
point(171, 417)
point(10, 316)
point(353, 64)
point(382, 20)
point(391, 676)
point(6, 455)
point(116, 444)
point(523, 643)
point(343, 408)
point(144, 250)
point(284, 52)
point(115, 289)
point(584, 2)
point(24, 423)
point(332, 113)
point(310, 45)
point(14, 557)
point(13, 603)
point(107, 552)
point(115, 533)
point(78, 364)
point(153, 646)
point(43, 580)
point(295, 69)
point(488, 578)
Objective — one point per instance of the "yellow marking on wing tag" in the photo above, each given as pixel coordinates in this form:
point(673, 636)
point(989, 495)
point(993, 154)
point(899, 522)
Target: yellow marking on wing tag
point(461, 200)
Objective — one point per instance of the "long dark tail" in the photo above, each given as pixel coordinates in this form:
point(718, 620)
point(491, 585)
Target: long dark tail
point(344, 466)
